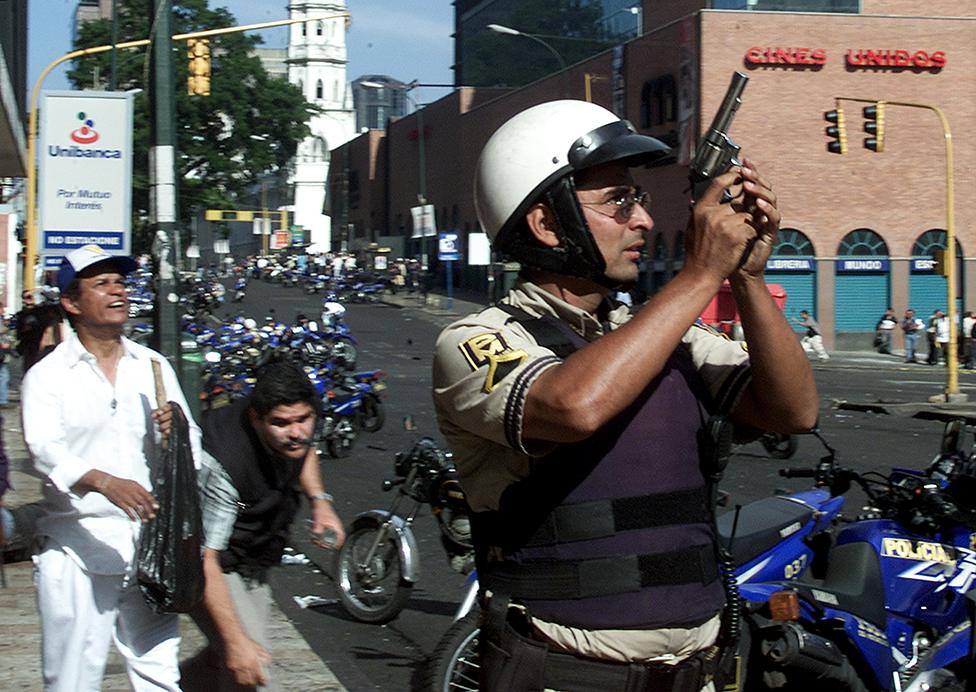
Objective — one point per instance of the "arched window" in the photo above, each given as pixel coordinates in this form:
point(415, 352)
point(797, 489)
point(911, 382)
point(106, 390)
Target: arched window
point(318, 89)
point(862, 242)
point(791, 242)
point(301, 87)
point(933, 239)
point(304, 30)
point(318, 28)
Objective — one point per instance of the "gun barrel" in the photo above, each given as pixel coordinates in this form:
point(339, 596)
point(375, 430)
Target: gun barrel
point(730, 104)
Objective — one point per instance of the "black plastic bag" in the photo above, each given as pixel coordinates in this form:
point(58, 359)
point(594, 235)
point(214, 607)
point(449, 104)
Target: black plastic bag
point(170, 564)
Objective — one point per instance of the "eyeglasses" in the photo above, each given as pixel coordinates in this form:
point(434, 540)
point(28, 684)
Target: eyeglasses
point(624, 203)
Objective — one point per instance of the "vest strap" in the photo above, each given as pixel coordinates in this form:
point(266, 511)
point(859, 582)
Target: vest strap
point(601, 518)
point(546, 333)
point(551, 580)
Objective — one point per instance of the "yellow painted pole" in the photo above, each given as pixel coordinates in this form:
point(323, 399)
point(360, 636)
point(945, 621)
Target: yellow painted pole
point(951, 392)
point(30, 251)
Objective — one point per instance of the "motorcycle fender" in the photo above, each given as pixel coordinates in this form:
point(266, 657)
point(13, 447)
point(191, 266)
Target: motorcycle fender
point(405, 541)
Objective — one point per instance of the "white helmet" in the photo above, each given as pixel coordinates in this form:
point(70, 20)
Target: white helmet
point(532, 157)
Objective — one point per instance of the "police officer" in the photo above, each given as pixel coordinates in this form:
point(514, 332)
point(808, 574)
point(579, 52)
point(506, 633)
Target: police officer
point(580, 429)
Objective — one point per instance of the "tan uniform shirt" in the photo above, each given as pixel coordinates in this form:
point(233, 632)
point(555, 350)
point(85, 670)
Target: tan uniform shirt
point(483, 368)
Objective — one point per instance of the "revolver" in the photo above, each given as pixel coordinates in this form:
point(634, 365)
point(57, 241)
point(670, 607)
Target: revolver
point(716, 153)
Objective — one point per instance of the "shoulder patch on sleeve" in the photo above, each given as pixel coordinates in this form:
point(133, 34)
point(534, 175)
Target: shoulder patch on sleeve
point(499, 366)
point(492, 350)
point(478, 350)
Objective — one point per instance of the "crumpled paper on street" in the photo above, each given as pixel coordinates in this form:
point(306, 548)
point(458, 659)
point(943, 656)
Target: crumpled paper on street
point(313, 601)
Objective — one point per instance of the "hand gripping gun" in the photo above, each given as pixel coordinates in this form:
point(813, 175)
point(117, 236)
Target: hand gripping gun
point(716, 153)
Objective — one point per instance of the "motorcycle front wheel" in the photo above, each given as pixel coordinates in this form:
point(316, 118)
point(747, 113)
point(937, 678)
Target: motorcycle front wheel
point(373, 414)
point(372, 591)
point(341, 442)
point(454, 664)
point(344, 352)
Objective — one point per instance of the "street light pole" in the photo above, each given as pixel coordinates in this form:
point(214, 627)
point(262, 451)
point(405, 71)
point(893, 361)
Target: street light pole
point(508, 31)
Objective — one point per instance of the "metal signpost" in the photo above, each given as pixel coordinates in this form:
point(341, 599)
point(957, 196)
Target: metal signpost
point(449, 251)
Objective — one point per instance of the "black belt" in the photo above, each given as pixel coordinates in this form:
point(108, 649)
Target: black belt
point(542, 579)
point(513, 659)
point(602, 518)
point(571, 674)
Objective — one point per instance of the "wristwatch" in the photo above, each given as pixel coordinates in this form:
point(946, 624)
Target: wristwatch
point(323, 496)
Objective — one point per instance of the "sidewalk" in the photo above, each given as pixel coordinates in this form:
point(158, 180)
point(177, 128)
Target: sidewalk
point(296, 666)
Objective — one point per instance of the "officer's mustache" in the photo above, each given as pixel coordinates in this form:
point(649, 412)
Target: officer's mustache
point(300, 440)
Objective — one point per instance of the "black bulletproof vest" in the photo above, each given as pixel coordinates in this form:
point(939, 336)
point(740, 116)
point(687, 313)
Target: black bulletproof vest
point(614, 531)
point(268, 490)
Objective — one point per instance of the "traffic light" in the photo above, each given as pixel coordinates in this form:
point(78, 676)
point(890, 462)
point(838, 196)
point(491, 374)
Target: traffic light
point(874, 125)
point(838, 144)
point(940, 262)
point(198, 81)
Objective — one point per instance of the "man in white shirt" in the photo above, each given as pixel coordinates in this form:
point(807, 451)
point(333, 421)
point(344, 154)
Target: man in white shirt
point(92, 427)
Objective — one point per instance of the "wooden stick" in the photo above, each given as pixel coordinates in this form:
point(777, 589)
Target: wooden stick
point(160, 391)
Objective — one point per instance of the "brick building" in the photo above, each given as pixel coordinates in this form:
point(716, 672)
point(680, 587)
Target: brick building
point(859, 230)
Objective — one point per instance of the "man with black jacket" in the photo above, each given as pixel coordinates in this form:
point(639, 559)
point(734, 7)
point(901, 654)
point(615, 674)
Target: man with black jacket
point(259, 458)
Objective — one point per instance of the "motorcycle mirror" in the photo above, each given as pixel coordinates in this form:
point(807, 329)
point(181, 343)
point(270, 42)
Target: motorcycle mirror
point(408, 424)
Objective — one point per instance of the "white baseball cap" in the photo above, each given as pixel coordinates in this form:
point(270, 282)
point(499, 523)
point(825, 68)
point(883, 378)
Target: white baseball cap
point(78, 260)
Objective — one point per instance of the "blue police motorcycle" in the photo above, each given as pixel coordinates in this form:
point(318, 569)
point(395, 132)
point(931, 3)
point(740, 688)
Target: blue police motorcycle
point(881, 602)
point(894, 609)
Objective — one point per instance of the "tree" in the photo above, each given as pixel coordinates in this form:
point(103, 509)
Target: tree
point(572, 27)
point(246, 130)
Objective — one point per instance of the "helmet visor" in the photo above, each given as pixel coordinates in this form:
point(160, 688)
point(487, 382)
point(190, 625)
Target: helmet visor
point(617, 141)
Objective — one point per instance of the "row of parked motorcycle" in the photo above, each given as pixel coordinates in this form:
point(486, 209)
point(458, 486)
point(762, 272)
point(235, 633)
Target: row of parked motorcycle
point(233, 349)
point(883, 600)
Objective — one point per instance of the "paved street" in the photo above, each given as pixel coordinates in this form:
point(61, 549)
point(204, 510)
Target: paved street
point(398, 336)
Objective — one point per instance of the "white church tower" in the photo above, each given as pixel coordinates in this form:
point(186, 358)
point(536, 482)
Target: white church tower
point(317, 65)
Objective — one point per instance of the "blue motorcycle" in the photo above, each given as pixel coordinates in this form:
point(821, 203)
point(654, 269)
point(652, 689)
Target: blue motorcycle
point(881, 605)
point(893, 609)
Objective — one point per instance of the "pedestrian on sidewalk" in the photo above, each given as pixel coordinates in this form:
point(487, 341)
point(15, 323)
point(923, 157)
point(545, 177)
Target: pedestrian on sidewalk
point(92, 434)
point(912, 327)
point(258, 453)
point(967, 358)
point(933, 356)
point(812, 341)
point(939, 326)
point(884, 329)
